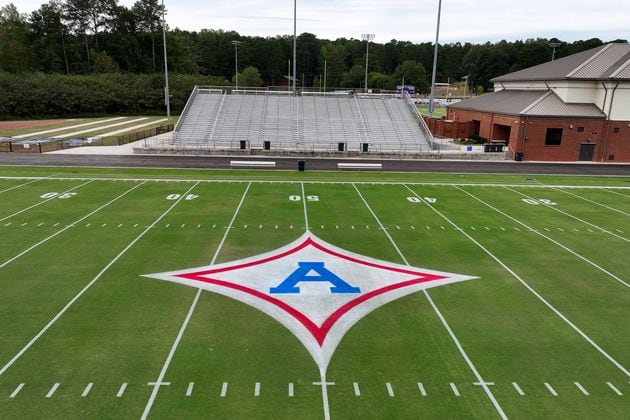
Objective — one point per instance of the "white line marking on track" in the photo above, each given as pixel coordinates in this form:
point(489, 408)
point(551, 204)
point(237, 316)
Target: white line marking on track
point(390, 390)
point(42, 202)
point(614, 388)
point(534, 292)
point(581, 388)
point(189, 390)
point(551, 390)
point(90, 284)
point(19, 388)
point(68, 227)
point(423, 391)
point(586, 260)
point(357, 391)
point(291, 389)
point(454, 389)
point(518, 389)
point(257, 389)
point(463, 353)
point(121, 390)
point(224, 390)
point(53, 390)
point(87, 389)
point(182, 329)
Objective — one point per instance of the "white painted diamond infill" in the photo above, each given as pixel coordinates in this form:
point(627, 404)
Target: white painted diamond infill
point(315, 289)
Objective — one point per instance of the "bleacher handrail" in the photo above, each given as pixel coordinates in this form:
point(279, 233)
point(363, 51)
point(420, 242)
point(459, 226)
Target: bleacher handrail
point(421, 121)
point(189, 103)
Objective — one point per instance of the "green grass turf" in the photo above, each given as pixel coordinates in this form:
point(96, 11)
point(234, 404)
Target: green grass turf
point(122, 328)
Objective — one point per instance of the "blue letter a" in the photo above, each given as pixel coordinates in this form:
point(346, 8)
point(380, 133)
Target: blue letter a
point(324, 275)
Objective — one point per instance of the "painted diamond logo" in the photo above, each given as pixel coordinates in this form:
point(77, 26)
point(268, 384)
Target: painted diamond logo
point(315, 289)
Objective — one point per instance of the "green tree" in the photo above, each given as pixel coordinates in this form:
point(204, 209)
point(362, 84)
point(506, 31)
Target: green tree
point(413, 74)
point(103, 63)
point(249, 77)
point(16, 54)
point(149, 14)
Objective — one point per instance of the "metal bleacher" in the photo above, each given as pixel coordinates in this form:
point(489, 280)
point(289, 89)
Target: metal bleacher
point(214, 119)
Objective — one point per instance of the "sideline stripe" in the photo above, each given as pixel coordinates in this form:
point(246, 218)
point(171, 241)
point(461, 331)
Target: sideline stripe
point(469, 362)
point(67, 227)
point(180, 334)
point(43, 202)
point(528, 287)
point(20, 386)
point(586, 260)
point(90, 284)
point(572, 216)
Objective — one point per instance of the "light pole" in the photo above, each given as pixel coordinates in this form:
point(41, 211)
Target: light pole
point(435, 56)
point(554, 45)
point(236, 44)
point(166, 90)
point(294, 44)
point(367, 38)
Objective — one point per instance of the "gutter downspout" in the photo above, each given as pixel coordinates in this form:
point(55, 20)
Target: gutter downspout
point(607, 125)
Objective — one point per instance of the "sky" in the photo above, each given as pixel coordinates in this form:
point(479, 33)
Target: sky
point(474, 21)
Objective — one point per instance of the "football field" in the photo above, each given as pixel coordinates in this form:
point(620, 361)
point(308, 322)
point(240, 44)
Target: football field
point(536, 326)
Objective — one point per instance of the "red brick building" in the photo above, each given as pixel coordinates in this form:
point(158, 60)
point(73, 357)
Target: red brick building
point(574, 108)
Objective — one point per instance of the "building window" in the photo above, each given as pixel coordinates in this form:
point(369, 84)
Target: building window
point(580, 129)
point(554, 137)
point(616, 130)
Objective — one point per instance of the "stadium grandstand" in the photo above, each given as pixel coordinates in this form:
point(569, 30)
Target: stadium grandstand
point(247, 121)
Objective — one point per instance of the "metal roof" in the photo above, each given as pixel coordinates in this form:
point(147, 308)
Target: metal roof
point(540, 103)
point(601, 63)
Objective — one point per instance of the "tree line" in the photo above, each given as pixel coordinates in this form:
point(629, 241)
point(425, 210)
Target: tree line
point(86, 37)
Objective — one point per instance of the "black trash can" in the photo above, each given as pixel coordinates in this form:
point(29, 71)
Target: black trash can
point(518, 156)
point(301, 165)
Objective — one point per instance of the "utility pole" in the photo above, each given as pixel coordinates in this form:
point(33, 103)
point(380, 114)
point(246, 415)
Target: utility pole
point(236, 44)
point(435, 57)
point(167, 95)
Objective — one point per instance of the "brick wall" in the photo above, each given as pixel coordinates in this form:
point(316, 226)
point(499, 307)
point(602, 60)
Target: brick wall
point(527, 135)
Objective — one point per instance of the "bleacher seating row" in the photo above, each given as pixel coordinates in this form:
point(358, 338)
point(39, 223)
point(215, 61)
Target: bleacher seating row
point(310, 123)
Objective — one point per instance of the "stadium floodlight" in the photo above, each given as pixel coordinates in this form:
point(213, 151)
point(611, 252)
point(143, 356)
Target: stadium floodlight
point(554, 45)
point(166, 90)
point(367, 38)
point(236, 44)
point(435, 57)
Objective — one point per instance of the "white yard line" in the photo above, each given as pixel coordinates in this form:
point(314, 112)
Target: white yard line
point(182, 329)
point(76, 133)
point(617, 193)
point(589, 200)
point(463, 353)
point(90, 284)
point(71, 127)
point(586, 260)
point(22, 185)
point(44, 202)
point(315, 182)
point(68, 227)
point(528, 287)
point(304, 204)
point(127, 129)
point(572, 216)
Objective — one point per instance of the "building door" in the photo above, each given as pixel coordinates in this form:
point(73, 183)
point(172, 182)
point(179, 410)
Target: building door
point(586, 152)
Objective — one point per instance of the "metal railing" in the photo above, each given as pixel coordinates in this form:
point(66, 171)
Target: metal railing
point(423, 124)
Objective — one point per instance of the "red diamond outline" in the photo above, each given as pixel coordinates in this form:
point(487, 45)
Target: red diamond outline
point(319, 333)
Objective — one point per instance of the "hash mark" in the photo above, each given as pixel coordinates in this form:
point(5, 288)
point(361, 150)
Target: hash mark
point(581, 388)
point(17, 391)
point(257, 389)
point(190, 389)
point(291, 393)
point(87, 389)
point(121, 391)
point(390, 390)
point(52, 390)
point(224, 389)
point(518, 389)
point(423, 392)
point(455, 390)
point(551, 390)
point(24, 224)
point(614, 388)
point(357, 391)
